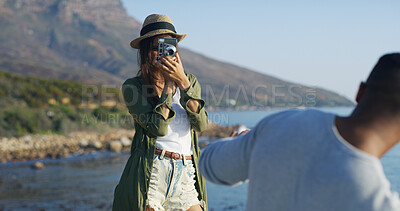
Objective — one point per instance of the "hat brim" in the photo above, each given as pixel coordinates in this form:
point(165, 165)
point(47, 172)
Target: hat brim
point(136, 42)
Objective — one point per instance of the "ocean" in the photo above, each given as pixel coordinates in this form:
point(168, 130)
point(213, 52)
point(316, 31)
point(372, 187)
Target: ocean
point(87, 182)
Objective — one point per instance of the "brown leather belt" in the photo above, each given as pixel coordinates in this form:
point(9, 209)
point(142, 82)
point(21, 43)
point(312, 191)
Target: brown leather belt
point(172, 155)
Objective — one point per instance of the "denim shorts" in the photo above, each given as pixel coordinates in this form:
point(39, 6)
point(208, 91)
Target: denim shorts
point(172, 185)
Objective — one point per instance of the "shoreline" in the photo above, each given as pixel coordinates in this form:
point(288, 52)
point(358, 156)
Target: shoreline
point(33, 147)
point(37, 147)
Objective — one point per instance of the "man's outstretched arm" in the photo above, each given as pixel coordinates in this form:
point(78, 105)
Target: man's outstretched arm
point(227, 162)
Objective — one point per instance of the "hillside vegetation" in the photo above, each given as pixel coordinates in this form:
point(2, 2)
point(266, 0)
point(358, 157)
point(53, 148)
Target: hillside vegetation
point(36, 105)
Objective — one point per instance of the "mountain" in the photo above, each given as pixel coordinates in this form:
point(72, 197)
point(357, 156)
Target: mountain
point(74, 40)
point(88, 41)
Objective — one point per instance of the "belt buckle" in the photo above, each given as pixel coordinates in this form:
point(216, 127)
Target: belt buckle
point(175, 156)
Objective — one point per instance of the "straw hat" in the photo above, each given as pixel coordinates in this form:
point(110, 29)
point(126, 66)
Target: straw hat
point(154, 25)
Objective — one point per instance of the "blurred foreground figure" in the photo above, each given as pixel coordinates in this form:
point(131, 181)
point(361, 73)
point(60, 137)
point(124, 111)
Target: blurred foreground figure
point(311, 160)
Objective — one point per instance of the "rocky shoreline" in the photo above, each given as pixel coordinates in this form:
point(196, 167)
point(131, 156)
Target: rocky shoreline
point(31, 147)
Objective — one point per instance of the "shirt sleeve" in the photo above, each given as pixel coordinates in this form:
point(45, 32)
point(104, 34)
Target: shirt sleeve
point(199, 120)
point(149, 117)
point(227, 162)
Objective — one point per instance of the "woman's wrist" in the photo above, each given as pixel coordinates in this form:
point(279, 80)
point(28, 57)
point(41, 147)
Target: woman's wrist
point(184, 84)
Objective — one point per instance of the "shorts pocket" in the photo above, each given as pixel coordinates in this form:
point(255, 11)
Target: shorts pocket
point(189, 193)
point(190, 170)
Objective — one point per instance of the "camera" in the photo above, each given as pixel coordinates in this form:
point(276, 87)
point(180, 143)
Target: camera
point(167, 47)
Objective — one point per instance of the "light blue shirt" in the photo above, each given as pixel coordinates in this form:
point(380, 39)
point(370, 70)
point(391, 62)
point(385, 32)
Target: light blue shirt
point(296, 160)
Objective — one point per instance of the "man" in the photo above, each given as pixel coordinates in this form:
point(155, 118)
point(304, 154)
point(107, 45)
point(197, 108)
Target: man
point(311, 160)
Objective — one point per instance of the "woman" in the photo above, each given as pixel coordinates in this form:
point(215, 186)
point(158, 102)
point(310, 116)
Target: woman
point(162, 172)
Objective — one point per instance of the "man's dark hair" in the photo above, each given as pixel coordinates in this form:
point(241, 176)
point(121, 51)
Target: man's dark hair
point(387, 71)
point(383, 84)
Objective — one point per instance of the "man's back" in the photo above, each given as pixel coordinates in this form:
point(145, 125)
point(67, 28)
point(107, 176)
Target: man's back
point(296, 160)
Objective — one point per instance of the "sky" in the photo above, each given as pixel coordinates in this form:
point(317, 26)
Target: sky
point(332, 45)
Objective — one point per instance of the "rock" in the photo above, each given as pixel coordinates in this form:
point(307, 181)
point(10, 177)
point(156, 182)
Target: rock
point(96, 144)
point(42, 155)
point(38, 165)
point(53, 155)
point(102, 137)
point(126, 142)
point(115, 146)
point(83, 143)
point(27, 138)
point(63, 153)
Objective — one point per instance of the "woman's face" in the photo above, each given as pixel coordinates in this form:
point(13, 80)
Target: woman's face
point(154, 48)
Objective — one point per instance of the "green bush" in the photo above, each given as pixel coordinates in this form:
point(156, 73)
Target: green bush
point(25, 108)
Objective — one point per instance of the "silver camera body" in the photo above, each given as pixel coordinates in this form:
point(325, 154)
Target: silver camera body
point(167, 47)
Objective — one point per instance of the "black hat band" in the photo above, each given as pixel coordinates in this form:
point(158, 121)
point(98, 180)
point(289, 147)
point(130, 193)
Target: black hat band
point(155, 26)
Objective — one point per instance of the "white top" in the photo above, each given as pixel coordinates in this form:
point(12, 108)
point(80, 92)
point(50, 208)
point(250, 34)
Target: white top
point(297, 161)
point(178, 138)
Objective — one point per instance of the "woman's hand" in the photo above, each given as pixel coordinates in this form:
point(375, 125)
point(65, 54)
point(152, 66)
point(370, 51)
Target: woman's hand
point(173, 69)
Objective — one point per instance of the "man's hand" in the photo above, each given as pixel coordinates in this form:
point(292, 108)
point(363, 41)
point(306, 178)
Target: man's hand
point(235, 133)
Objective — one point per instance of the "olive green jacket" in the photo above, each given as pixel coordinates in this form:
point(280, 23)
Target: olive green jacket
point(131, 192)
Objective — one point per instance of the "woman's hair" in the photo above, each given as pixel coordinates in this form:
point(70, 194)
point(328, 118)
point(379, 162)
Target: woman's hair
point(145, 62)
point(146, 69)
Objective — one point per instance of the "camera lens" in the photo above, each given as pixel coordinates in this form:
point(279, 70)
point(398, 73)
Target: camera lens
point(170, 50)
